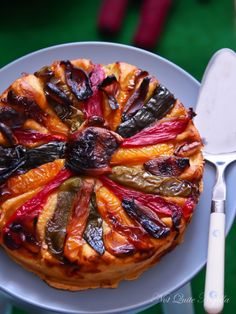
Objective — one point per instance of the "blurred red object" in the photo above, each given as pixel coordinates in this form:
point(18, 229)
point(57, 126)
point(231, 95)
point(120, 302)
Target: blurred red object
point(152, 18)
point(111, 15)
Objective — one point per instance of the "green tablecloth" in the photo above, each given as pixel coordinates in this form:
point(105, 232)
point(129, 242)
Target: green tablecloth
point(194, 31)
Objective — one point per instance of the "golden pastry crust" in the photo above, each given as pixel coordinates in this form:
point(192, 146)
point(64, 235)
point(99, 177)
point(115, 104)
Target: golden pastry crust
point(88, 230)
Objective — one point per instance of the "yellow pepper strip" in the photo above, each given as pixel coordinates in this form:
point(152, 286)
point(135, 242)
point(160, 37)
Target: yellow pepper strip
point(34, 178)
point(8, 208)
point(141, 154)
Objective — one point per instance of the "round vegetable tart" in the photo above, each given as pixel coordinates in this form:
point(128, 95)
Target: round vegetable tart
point(100, 171)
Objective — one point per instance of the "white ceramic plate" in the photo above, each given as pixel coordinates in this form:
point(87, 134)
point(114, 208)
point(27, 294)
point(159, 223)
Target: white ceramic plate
point(177, 267)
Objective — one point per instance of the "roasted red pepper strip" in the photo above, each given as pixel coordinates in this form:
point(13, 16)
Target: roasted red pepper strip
point(77, 224)
point(31, 137)
point(136, 235)
point(92, 106)
point(16, 230)
point(158, 133)
point(81, 209)
point(154, 202)
point(110, 208)
point(189, 207)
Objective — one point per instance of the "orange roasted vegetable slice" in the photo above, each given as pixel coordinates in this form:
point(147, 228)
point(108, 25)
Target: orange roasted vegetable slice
point(112, 212)
point(34, 178)
point(141, 154)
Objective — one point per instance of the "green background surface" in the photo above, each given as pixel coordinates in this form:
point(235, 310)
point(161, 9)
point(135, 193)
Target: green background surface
point(193, 32)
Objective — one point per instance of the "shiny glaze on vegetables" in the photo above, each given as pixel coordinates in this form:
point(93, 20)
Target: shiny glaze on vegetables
point(106, 153)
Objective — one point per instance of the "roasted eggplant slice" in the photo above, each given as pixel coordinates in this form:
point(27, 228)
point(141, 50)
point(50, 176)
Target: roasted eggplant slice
point(156, 108)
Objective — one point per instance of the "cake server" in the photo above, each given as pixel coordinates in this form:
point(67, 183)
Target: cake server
point(216, 113)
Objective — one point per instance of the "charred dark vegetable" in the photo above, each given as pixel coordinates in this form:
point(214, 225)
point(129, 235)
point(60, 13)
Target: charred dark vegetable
point(77, 80)
point(63, 106)
point(75, 120)
point(45, 73)
point(156, 108)
point(10, 155)
point(7, 172)
point(28, 107)
point(167, 166)
point(176, 219)
point(20, 159)
point(33, 156)
point(56, 227)
point(61, 98)
point(144, 181)
point(56, 92)
point(91, 151)
point(11, 117)
point(93, 233)
point(187, 149)
point(19, 235)
point(7, 133)
point(110, 87)
point(135, 212)
point(11, 161)
point(44, 154)
point(56, 95)
point(136, 100)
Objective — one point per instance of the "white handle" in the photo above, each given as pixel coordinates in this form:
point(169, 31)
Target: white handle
point(214, 285)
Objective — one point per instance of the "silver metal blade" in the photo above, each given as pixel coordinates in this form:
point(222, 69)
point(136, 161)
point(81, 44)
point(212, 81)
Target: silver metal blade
point(216, 106)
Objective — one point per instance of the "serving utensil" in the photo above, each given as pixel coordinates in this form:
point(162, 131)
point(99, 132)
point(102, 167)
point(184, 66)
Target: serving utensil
point(216, 113)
